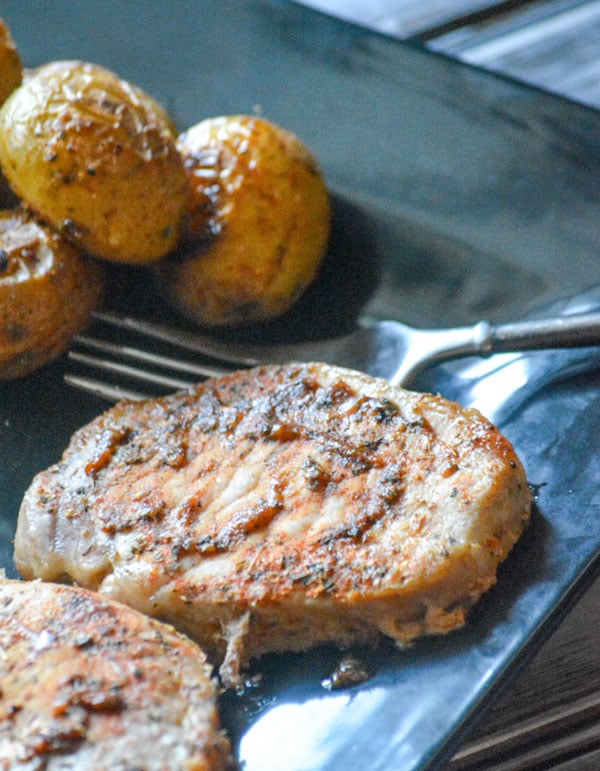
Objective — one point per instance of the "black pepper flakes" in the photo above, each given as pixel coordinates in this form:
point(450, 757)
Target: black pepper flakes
point(83, 641)
point(317, 477)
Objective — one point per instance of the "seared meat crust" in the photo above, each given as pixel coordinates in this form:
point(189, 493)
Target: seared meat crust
point(86, 683)
point(281, 507)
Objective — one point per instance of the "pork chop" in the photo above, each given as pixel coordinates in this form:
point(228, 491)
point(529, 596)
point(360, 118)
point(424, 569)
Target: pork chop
point(281, 507)
point(87, 683)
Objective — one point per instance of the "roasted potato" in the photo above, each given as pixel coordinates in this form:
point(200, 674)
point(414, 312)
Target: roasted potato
point(258, 227)
point(47, 291)
point(10, 63)
point(95, 157)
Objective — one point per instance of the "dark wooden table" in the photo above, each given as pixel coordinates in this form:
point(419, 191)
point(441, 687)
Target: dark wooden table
point(552, 44)
point(549, 717)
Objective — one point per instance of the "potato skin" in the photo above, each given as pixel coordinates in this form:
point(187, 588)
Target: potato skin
point(10, 64)
point(47, 292)
point(259, 223)
point(95, 157)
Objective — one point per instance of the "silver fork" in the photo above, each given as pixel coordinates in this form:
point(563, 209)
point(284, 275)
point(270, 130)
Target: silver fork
point(385, 349)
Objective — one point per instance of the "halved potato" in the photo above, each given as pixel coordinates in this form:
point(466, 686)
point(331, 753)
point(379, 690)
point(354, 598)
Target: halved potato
point(10, 63)
point(47, 292)
point(259, 223)
point(96, 158)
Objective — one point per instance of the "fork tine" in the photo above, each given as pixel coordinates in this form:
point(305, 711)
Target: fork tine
point(132, 372)
point(145, 357)
point(104, 390)
point(133, 364)
point(226, 352)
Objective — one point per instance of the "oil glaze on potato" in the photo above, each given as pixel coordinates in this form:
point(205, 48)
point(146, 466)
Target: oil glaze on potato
point(10, 63)
point(259, 223)
point(47, 291)
point(96, 158)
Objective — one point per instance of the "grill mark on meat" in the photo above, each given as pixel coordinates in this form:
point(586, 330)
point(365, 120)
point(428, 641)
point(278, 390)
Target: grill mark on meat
point(107, 443)
point(378, 504)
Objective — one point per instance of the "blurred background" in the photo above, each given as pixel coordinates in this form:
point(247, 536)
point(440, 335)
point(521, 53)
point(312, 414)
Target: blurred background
point(552, 44)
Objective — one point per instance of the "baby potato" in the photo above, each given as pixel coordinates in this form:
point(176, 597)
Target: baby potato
point(47, 292)
point(10, 63)
point(259, 222)
point(95, 157)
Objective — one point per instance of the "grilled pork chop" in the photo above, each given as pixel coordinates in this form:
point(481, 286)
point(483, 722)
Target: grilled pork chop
point(86, 683)
point(281, 507)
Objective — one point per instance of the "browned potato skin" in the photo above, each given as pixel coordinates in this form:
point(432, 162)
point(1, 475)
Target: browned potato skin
point(95, 157)
point(10, 63)
point(47, 292)
point(259, 222)
point(11, 75)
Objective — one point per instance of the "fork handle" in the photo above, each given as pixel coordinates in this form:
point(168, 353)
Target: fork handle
point(574, 331)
